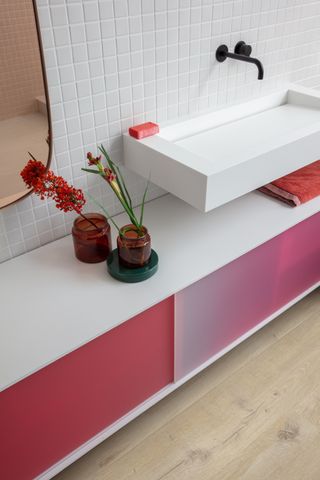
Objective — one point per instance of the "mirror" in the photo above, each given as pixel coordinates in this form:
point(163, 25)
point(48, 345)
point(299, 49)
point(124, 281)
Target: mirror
point(24, 109)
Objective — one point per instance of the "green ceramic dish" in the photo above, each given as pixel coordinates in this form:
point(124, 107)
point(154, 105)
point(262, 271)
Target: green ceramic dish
point(131, 275)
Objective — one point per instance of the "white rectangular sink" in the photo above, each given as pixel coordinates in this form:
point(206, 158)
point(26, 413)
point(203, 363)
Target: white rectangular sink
point(213, 158)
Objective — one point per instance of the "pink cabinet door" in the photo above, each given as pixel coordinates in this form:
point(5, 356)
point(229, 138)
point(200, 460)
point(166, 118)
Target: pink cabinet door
point(223, 306)
point(52, 412)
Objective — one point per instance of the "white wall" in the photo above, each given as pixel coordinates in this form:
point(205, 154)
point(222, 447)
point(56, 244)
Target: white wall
point(114, 63)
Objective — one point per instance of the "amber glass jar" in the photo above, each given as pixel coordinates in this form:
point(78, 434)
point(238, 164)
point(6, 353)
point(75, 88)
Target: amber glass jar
point(91, 244)
point(134, 250)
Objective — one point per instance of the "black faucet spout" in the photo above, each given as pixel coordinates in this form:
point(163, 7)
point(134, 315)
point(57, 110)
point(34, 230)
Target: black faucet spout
point(245, 58)
point(242, 53)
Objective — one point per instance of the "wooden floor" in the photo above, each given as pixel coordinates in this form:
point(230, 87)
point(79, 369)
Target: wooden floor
point(253, 415)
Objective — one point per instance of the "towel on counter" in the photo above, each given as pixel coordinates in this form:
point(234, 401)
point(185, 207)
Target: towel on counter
point(296, 188)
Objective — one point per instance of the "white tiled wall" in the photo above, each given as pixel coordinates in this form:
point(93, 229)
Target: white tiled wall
point(114, 63)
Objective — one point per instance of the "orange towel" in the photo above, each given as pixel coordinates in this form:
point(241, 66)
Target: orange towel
point(298, 187)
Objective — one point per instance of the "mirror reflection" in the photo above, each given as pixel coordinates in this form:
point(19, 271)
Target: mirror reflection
point(24, 121)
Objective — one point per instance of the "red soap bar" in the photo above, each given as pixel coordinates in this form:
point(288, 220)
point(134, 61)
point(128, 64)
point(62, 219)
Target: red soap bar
point(144, 130)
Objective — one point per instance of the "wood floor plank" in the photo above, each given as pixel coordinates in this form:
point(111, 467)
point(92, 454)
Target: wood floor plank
point(223, 422)
point(237, 420)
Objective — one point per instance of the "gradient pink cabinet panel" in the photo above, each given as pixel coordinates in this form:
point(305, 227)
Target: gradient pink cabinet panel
point(52, 412)
point(223, 306)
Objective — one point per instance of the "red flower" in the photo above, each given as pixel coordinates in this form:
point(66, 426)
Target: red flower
point(93, 160)
point(48, 185)
point(67, 197)
point(32, 172)
point(109, 175)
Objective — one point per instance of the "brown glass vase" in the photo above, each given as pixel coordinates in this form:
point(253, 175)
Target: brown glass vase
point(134, 249)
point(92, 244)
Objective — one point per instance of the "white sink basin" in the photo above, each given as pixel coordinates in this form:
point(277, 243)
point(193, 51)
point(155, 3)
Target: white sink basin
point(211, 159)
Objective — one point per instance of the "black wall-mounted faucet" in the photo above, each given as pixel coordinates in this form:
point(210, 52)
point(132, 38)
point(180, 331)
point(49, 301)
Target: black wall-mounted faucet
point(242, 52)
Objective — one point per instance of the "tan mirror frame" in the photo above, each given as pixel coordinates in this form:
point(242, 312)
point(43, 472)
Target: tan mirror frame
point(45, 84)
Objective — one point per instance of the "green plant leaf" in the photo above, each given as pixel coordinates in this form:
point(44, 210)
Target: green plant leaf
point(143, 202)
point(106, 155)
point(91, 171)
point(124, 184)
point(104, 210)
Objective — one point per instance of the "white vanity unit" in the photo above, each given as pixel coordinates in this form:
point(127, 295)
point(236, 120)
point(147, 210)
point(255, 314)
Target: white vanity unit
point(211, 159)
point(82, 354)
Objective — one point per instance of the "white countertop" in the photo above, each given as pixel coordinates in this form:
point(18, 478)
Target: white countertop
point(51, 303)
